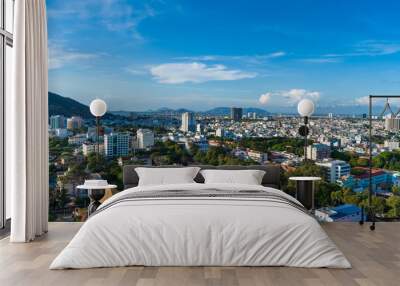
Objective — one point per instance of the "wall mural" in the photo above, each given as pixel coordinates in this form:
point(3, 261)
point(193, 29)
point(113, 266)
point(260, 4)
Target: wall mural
point(186, 83)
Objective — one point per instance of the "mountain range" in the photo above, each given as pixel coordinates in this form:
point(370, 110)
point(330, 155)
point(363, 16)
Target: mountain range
point(69, 107)
point(60, 105)
point(217, 111)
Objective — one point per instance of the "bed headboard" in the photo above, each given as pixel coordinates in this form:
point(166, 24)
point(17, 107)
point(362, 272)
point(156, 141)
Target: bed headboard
point(272, 176)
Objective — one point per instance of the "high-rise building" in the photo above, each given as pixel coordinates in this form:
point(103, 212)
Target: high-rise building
point(236, 113)
point(330, 115)
point(188, 122)
point(220, 132)
point(318, 151)
point(199, 128)
point(145, 138)
point(75, 122)
point(335, 169)
point(57, 122)
point(116, 144)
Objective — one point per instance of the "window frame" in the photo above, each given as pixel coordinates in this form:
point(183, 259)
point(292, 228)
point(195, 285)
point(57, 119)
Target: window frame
point(6, 39)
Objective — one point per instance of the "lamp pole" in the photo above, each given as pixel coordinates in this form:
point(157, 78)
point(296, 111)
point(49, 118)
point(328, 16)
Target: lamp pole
point(305, 108)
point(305, 138)
point(97, 137)
point(98, 108)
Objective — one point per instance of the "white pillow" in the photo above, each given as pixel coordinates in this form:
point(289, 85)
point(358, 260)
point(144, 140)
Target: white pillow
point(248, 177)
point(166, 176)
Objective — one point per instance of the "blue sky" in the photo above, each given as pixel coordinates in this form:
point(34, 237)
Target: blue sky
point(140, 55)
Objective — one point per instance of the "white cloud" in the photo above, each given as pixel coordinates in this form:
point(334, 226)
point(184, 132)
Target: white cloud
point(377, 48)
point(265, 98)
point(175, 73)
point(296, 94)
point(321, 60)
point(291, 96)
point(370, 48)
point(59, 56)
point(276, 54)
point(255, 59)
point(115, 15)
point(364, 100)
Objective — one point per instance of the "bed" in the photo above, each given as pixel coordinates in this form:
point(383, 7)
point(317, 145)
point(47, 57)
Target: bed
point(197, 224)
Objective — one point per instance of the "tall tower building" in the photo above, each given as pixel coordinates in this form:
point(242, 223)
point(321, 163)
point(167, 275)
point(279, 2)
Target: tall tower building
point(236, 113)
point(57, 122)
point(188, 122)
point(145, 138)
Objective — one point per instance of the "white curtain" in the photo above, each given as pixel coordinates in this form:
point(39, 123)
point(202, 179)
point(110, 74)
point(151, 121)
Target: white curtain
point(27, 123)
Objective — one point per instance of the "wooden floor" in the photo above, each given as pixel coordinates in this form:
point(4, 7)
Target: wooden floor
point(375, 257)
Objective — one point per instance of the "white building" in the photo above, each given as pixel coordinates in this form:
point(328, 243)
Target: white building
point(188, 122)
point(335, 169)
point(199, 128)
point(257, 156)
point(116, 144)
point(392, 124)
point(88, 148)
point(145, 138)
point(220, 132)
point(78, 139)
point(392, 145)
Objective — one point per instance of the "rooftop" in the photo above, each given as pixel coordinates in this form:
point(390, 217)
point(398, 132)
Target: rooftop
point(375, 172)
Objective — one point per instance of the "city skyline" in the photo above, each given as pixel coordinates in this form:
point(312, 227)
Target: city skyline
point(181, 54)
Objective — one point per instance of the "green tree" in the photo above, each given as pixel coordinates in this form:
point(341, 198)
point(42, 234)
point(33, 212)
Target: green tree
point(96, 162)
point(394, 203)
point(396, 190)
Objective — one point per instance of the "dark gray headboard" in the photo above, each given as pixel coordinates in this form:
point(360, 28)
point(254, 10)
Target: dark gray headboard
point(272, 176)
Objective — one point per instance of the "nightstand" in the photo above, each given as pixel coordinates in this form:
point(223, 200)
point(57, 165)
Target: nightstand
point(305, 191)
point(96, 190)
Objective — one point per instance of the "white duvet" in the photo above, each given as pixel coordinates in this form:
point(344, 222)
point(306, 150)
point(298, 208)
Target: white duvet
point(202, 232)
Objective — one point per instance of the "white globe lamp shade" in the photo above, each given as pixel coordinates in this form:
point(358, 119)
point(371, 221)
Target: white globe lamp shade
point(98, 107)
point(305, 107)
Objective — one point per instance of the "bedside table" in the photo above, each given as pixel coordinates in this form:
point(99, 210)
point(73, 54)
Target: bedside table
point(95, 194)
point(305, 189)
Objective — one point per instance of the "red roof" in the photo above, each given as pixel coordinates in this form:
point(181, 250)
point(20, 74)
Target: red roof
point(375, 172)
